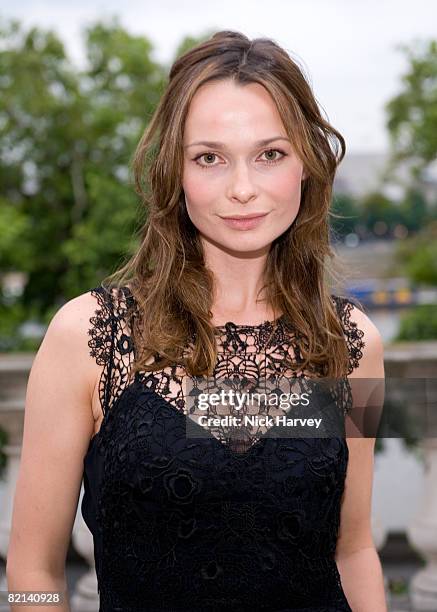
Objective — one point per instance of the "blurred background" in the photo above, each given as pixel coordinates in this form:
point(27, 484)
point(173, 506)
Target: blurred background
point(78, 83)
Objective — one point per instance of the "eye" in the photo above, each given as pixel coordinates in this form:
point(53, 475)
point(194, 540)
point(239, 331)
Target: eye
point(204, 155)
point(267, 161)
point(275, 161)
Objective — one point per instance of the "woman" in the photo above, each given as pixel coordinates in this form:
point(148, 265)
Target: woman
point(213, 519)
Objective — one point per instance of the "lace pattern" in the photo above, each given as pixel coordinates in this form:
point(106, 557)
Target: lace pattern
point(248, 356)
point(354, 335)
point(111, 343)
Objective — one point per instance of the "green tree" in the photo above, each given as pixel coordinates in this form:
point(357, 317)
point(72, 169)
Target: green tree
point(418, 256)
point(414, 210)
point(379, 214)
point(420, 323)
point(68, 209)
point(412, 114)
point(344, 214)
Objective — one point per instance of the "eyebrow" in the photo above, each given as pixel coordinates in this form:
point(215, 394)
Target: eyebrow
point(220, 145)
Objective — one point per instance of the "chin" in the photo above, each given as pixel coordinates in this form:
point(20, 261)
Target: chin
point(246, 247)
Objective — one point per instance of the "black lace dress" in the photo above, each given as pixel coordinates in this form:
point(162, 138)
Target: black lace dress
point(196, 524)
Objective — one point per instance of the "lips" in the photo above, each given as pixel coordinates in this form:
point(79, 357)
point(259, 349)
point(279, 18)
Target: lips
point(246, 217)
point(245, 222)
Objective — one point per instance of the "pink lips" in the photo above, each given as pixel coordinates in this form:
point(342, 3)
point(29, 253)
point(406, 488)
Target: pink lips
point(245, 222)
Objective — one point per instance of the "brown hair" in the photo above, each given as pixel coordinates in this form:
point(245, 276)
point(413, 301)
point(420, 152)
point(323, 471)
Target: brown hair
point(167, 275)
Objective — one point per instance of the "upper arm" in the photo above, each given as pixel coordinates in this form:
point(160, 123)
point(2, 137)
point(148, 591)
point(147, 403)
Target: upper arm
point(355, 522)
point(58, 424)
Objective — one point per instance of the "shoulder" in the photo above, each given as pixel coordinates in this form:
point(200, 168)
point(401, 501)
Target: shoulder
point(363, 338)
point(86, 323)
point(65, 347)
point(75, 316)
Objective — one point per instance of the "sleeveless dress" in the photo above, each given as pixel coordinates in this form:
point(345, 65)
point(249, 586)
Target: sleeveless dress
point(196, 524)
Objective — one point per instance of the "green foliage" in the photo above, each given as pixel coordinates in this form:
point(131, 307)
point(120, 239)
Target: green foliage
point(418, 256)
point(377, 215)
point(345, 214)
point(398, 586)
point(13, 224)
point(13, 314)
point(376, 207)
point(412, 114)
point(422, 267)
point(68, 210)
point(414, 211)
point(419, 323)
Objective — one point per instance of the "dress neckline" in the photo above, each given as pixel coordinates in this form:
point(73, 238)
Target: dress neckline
point(267, 324)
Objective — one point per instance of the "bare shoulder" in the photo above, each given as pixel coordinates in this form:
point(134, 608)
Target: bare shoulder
point(74, 315)
point(68, 333)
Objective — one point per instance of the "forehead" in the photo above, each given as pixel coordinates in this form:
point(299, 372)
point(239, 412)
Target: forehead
point(221, 109)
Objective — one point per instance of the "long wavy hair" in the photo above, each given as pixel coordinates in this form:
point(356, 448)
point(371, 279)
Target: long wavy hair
point(167, 275)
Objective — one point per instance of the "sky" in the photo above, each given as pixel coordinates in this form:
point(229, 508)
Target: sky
point(347, 48)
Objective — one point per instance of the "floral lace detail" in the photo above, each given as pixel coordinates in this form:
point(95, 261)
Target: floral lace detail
point(182, 523)
point(354, 335)
point(111, 343)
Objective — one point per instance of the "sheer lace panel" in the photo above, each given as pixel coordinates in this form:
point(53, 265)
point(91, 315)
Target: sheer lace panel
point(250, 358)
point(354, 335)
point(111, 342)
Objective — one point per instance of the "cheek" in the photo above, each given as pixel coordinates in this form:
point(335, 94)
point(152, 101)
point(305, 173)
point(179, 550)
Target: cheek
point(199, 192)
point(286, 187)
point(285, 192)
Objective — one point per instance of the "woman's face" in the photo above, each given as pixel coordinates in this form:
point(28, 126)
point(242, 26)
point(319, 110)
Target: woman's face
point(228, 171)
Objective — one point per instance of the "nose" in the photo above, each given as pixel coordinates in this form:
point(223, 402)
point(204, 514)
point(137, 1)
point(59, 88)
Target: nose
point(241, 185)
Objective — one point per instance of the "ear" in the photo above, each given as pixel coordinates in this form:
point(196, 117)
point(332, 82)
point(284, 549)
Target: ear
point(304, 175)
